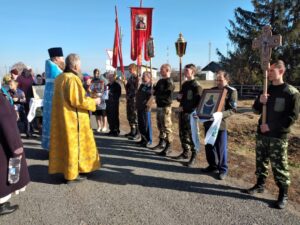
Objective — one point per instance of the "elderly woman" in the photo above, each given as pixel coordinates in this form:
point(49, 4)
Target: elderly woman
point(10, 147)
point(25, 82)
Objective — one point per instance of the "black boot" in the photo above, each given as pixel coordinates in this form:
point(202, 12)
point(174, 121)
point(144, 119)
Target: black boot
point(136, 134)
point(192, 160)
point(130, 133)
point(6, 208)
point(167, 149)
point(142, 142)
point(259, 187)
point(282, 198)
point(183, 155)
point(160, 145)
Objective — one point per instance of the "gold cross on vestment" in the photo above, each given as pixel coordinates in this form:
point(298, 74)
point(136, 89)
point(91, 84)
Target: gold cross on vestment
point(265, 42)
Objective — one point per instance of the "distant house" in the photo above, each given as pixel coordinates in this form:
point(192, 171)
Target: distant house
point(208, 72)
point(143, 68)
point(212, 66)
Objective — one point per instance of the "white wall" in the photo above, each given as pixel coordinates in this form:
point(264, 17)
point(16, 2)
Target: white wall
point(208, 75)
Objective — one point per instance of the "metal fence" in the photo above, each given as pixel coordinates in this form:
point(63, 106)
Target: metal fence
point(250, 91)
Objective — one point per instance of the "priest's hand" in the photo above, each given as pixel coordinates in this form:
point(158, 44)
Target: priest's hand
point(97, 101)
point(263, 98)
point(264, 128)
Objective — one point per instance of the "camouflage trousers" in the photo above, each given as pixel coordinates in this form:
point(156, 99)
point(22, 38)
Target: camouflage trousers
point(185, 132)
point(273, 150)
point(131, 113)
point(164, 123)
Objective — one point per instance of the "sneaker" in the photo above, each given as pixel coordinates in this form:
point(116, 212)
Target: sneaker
point(99, 129)
point(104, 129)
point(222, 175)
point(149, 145)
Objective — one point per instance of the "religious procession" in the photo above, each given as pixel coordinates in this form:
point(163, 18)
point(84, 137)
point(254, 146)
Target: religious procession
point(177, 119)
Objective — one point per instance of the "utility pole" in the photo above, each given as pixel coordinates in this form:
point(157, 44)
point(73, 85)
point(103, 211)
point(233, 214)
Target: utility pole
point(209, 52)
point(167, 54)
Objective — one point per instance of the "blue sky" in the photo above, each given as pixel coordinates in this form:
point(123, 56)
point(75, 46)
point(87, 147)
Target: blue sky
point(29, 28)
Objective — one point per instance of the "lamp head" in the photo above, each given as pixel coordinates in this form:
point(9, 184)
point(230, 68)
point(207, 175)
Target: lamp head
point(180, 46)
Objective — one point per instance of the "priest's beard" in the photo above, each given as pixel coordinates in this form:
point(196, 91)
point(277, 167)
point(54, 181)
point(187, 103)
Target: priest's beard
point(61, 65)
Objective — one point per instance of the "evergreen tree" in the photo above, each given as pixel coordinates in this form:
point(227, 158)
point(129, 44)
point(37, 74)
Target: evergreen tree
point(243, 62)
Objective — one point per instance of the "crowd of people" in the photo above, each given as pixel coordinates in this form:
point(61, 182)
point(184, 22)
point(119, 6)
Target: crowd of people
point(70, 98)
point(19, 86)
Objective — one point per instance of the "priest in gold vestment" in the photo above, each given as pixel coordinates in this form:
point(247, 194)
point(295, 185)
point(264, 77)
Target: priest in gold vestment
point(73, 150)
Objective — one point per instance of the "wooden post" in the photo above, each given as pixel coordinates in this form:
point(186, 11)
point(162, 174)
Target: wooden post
point(180, 72)
point(265, 42)
point(151, 68)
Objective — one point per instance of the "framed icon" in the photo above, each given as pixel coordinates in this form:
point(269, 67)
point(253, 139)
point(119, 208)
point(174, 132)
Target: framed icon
point(38, 91)
point(141, 22)
point(212, 100)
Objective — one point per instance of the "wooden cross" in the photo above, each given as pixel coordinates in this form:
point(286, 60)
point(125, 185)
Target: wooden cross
point(265, 42)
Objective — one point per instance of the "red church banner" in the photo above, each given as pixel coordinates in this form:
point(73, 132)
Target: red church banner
point(117, 49)
point(141, 28)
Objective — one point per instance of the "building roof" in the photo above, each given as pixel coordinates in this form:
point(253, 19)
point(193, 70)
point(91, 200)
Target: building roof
point(212, 66)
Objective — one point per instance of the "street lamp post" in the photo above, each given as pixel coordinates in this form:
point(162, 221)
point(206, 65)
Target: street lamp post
point(180, 50)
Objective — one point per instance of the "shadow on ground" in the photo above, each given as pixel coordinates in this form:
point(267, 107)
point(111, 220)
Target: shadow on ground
point(118, 153)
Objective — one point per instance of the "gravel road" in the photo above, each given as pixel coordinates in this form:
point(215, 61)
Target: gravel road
point(134, 186)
